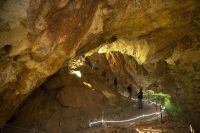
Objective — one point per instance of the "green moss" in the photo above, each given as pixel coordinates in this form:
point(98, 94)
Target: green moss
point(165, 99)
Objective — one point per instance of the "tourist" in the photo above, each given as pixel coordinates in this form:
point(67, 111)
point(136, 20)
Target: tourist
point(140, 97)
point(129, 88)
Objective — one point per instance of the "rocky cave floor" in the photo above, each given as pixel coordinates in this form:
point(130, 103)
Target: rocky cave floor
point(153, 44)
point(64, 104)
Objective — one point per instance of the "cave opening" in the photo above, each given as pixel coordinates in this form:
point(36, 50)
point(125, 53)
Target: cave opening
point(80, 97)
point(99, 66)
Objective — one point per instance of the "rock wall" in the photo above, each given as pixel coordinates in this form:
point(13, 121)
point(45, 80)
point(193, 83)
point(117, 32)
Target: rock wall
point(65, 103)
point(38, 36)
point(180, 80)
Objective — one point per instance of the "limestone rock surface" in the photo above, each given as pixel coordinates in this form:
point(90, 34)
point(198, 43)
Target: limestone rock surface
point(37, 37)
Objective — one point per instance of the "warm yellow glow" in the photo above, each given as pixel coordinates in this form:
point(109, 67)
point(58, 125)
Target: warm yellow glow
point(191, 129)
point(139, 49)
point(139, 130)
point(75, 63)
point(148, 130)
point(77, 73)
point(108, 94)
point(87, 84)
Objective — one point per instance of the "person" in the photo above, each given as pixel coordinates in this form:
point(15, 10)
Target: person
point(115, 82)
point(104, 73)
point(140, 97)
point(129, 88)
point(112, 39)
point(88, 62)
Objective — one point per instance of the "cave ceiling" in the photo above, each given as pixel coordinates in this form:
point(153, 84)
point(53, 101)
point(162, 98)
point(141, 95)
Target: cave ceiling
point(37, 37)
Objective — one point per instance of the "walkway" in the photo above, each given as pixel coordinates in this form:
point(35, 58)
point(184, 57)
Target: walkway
point(148, 113)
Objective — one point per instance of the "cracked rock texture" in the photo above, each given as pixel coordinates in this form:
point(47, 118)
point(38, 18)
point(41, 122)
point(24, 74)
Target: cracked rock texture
point(180, 80)
point(162, 38)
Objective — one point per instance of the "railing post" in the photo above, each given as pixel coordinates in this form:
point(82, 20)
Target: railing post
point(161, 115)
point(156, 103)
point(102, 118)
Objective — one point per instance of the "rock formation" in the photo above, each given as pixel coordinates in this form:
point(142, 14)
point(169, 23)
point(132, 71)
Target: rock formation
point(147, 42)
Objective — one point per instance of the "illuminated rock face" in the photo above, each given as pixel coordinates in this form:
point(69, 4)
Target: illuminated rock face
point(146, 26)
point(180, 80)
point(38, 36)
